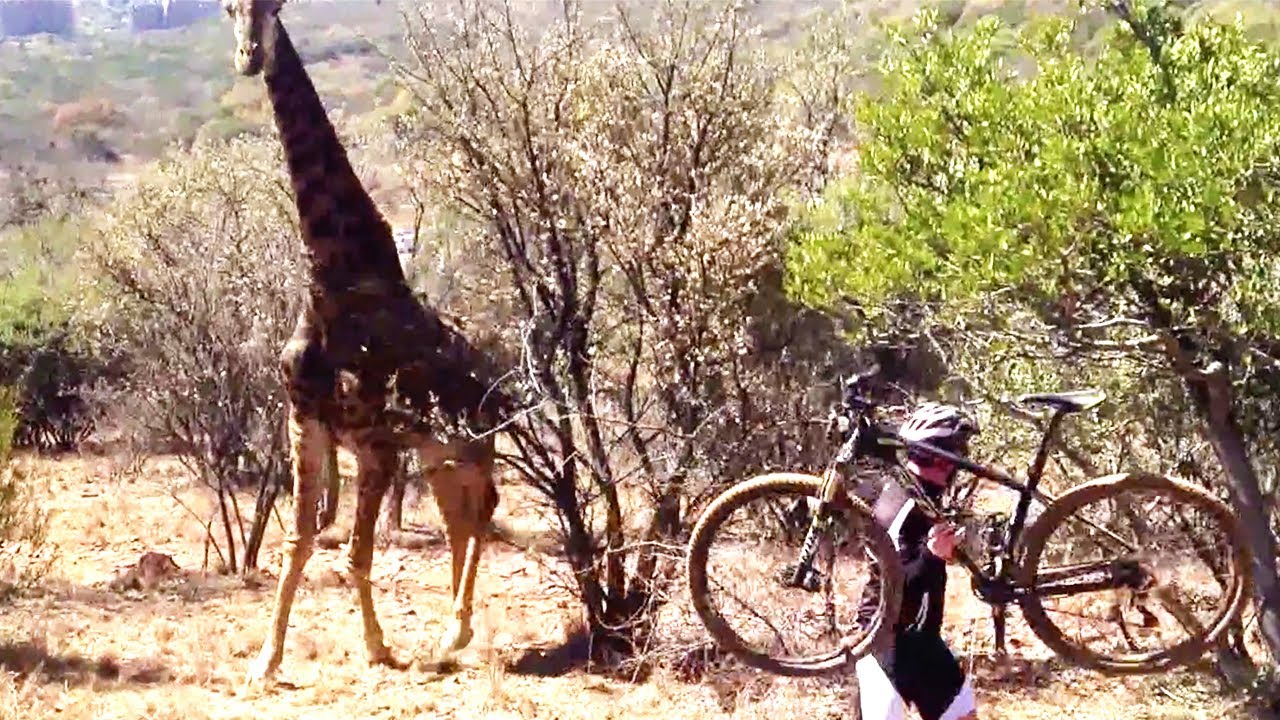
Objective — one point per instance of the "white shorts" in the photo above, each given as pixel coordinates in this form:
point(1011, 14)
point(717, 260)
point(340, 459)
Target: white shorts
point(881, 700)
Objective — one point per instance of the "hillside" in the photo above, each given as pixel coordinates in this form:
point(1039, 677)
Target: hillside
point(85, 104)
point(109, 96)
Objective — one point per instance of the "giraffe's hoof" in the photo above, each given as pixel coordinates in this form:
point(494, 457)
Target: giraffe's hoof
point(456, 637)
point(261, 670)
point(382, 655)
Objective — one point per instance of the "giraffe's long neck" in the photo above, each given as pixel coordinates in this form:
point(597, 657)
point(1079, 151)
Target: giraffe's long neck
point(349, 243)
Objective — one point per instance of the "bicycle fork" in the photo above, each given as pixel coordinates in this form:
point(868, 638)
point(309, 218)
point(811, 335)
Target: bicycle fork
point(803, 575)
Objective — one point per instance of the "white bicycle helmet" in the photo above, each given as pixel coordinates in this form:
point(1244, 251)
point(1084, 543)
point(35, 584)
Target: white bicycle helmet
point(945, 426)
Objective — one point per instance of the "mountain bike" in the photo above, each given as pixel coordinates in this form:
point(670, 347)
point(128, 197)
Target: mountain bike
point(1072, 562)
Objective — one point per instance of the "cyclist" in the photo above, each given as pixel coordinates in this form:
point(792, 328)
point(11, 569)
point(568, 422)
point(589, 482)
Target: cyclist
point(918, 668)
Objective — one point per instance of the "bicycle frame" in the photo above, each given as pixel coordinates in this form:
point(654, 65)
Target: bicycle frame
point(994, 587)
point(1012, 561)
point(1026, 490)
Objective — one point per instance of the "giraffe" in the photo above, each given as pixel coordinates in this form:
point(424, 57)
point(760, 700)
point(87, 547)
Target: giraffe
point(368, 367)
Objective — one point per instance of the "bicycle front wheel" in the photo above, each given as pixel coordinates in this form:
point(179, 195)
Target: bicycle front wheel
point(742, 559)
point(1134, 573)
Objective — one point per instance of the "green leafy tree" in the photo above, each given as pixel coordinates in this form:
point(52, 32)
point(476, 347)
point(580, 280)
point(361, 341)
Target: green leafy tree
point(1120, 203)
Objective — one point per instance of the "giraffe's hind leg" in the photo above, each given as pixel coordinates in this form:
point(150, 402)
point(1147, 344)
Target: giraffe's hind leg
point(466, 495)
point(309, 444)
point(376, 462)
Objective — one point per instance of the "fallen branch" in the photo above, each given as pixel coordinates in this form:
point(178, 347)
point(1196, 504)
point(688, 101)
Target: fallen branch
point(209, 538)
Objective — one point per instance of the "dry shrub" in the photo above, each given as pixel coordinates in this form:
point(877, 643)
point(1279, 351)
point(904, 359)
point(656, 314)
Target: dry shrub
point(246, 100)
point(25, 556)
point(86, 114)
point(612, 194)
point(198, 273)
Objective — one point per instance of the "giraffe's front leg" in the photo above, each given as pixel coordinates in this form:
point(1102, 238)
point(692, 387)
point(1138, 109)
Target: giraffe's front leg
point(310, 444)
point(467, 497)
point(376, 463)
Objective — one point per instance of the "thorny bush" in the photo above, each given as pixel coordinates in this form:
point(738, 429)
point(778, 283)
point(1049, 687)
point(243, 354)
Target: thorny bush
point(620, 186)
point(25, 555)
point(199, 271)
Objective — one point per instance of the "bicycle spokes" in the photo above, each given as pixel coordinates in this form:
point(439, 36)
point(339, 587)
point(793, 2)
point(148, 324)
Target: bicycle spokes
point(781, 595)
point(1134, 574)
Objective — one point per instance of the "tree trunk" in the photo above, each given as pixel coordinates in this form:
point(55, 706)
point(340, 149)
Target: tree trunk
point(1211, 392)
point(580, 386)
point(395, 499)
point(268, 490)
point(664, 526)
point(327, 511)
point(578, 543)
point(226, 524)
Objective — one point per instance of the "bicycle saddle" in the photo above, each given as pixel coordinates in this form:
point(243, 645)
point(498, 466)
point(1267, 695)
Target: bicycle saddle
point(1067, 402)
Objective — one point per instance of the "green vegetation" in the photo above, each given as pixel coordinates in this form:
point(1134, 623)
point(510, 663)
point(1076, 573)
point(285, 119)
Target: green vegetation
point(1117, 211)
point(42, 351)
point(974, 183)
point(8, 423)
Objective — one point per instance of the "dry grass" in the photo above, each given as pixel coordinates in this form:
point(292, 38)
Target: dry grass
point(77, 649)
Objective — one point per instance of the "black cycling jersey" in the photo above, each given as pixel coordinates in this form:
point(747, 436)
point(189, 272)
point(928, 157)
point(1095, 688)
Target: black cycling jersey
point(918, 667)
point(925, 574)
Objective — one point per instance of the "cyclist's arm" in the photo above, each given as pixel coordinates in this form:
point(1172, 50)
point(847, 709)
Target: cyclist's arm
point(913, 544)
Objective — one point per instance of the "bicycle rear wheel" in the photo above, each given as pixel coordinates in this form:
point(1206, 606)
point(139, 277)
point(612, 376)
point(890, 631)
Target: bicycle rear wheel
point(748, 541)
point(1134, 573)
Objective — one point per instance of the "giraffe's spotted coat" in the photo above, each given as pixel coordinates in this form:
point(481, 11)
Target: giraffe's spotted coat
point(368, 366)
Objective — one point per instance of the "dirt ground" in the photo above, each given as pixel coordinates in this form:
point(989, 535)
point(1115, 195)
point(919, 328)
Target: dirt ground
point(77, 647)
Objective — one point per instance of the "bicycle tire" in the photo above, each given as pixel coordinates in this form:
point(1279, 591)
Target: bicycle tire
point(879, 543)
point(1181, 654)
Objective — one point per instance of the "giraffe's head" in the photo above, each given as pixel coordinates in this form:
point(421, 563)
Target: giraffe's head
point(255, 25)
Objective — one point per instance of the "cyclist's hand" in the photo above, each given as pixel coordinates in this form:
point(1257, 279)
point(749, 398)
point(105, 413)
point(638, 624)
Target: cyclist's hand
point(942, 540)
point(837, 424)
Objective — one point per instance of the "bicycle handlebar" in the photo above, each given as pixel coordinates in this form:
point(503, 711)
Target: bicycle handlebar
point(855, 387)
